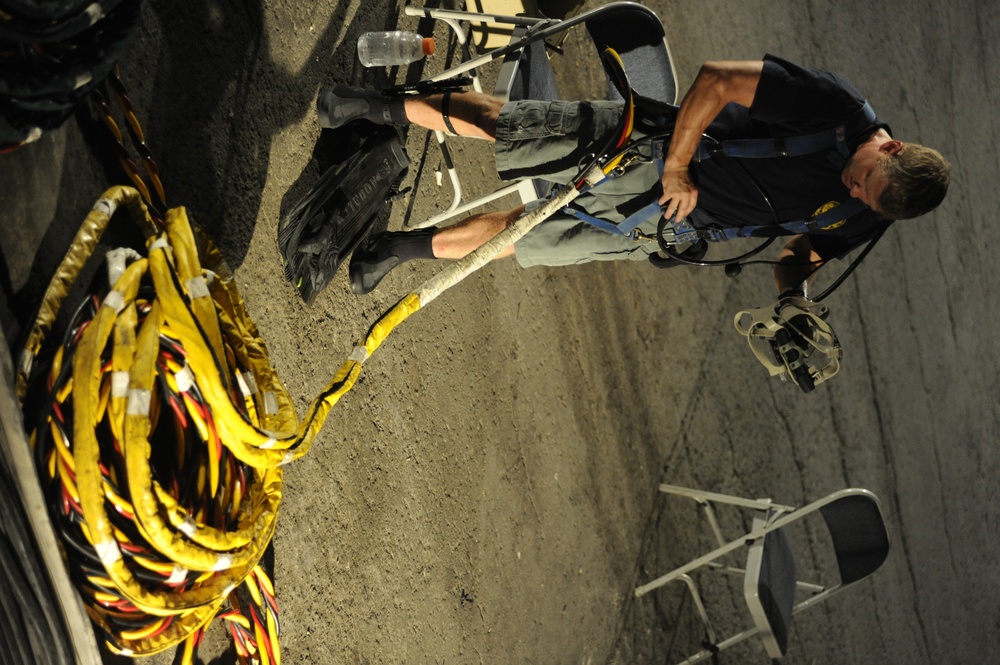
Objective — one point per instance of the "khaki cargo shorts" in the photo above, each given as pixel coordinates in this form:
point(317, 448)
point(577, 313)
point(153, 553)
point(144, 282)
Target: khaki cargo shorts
point(551, 141)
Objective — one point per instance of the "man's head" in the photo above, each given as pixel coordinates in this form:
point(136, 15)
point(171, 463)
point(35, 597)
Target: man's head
point(896, 179)
point(918, 180)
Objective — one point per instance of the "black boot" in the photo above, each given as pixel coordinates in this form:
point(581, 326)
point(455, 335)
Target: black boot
point(341, 104)
point(369, 264)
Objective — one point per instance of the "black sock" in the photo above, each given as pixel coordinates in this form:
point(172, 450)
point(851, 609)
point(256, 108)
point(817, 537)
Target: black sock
point(408, 245)
point(397, 112)
point(386, 110)
point(342, 104)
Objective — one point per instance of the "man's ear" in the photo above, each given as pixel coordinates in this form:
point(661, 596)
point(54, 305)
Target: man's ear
point(891, 147)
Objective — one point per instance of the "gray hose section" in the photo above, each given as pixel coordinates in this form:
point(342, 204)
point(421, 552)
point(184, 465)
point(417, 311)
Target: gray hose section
point(42, 620)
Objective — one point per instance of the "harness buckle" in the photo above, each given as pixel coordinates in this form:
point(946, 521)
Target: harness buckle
point(677, 233)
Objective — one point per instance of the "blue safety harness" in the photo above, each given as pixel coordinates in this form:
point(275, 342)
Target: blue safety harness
point(834, 140)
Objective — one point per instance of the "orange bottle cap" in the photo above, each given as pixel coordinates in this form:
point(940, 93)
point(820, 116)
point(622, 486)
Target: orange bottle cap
point(428, 46)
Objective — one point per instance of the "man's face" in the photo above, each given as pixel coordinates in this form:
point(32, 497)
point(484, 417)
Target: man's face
point(864, 176)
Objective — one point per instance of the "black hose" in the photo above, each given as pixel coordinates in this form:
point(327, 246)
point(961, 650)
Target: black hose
point(52, 55)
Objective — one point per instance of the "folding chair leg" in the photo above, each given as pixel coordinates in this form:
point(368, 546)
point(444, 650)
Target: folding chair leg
point(699, 495)
point(721, 646)
point(449, 165)
point(699, 606)
point(693, 565)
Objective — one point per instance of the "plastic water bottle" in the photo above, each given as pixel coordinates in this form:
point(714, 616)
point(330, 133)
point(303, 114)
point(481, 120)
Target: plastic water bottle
point(385, 49)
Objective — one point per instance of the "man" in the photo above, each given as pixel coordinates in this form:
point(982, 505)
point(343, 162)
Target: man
point(728, 101)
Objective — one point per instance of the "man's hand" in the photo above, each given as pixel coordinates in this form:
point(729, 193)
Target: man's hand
point(680, 196)
point(717, 84)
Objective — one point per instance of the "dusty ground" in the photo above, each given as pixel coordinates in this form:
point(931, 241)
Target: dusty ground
point(487, 493)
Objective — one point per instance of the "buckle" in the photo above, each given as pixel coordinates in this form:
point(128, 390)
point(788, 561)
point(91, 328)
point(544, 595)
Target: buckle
point(779, 148)
point(627, 159)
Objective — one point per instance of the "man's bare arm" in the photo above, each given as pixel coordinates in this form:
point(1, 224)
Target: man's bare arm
point(717, 84)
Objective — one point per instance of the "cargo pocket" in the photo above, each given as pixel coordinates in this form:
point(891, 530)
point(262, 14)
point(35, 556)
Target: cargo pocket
point(536, 121)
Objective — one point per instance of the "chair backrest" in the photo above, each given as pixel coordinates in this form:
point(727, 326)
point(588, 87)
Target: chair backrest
point(632, 30)
point(860, 543)
point(769, 587)
point(637, 35)
point(860, 539)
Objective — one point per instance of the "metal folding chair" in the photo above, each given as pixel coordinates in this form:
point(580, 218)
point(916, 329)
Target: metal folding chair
point(633, 30)
point(860, 544)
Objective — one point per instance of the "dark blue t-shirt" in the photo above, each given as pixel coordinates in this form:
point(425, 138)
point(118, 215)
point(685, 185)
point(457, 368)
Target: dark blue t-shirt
point(790, 101)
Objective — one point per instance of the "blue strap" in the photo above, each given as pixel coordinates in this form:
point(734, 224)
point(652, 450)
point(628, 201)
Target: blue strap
point(789, 146)
point(685, 232)
point(624, 228)
point(838, 213)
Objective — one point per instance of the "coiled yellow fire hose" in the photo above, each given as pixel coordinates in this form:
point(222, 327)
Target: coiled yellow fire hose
point(159, 561)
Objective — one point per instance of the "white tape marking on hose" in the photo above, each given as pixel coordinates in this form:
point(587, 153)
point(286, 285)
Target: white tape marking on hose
point(94, 13)
point(108, 553)
point(197, 287)
point(159, 243)
point(184, 379)
point(138, 402)
point(270, 443)
point(105, 207)
point(289, 456)
point(115, 300)
point(177, 575)
point(270, 403)
point(188, 526)
point(27, 360)
point(223, 562)
point(251, 383)
point(359, 354)
point(82, 79)
point(116, 261)
point(119, 384)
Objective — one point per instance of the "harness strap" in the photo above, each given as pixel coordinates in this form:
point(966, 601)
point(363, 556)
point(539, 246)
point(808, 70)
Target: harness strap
point(624, 228)
point(685, 232)
point(789, 146)
point(818, 222)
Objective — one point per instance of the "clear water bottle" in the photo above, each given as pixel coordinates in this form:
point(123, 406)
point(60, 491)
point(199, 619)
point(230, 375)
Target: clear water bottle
point(385, 49)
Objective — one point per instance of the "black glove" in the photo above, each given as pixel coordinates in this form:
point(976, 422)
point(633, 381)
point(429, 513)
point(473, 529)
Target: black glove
point(663, 262)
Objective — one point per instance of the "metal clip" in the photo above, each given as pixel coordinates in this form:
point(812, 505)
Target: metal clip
point(627, 159)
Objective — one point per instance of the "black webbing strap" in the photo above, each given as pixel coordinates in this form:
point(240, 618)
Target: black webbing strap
point(445, 104)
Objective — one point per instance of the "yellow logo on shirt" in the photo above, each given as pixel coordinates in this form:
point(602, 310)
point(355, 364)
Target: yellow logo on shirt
point(825, 207)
